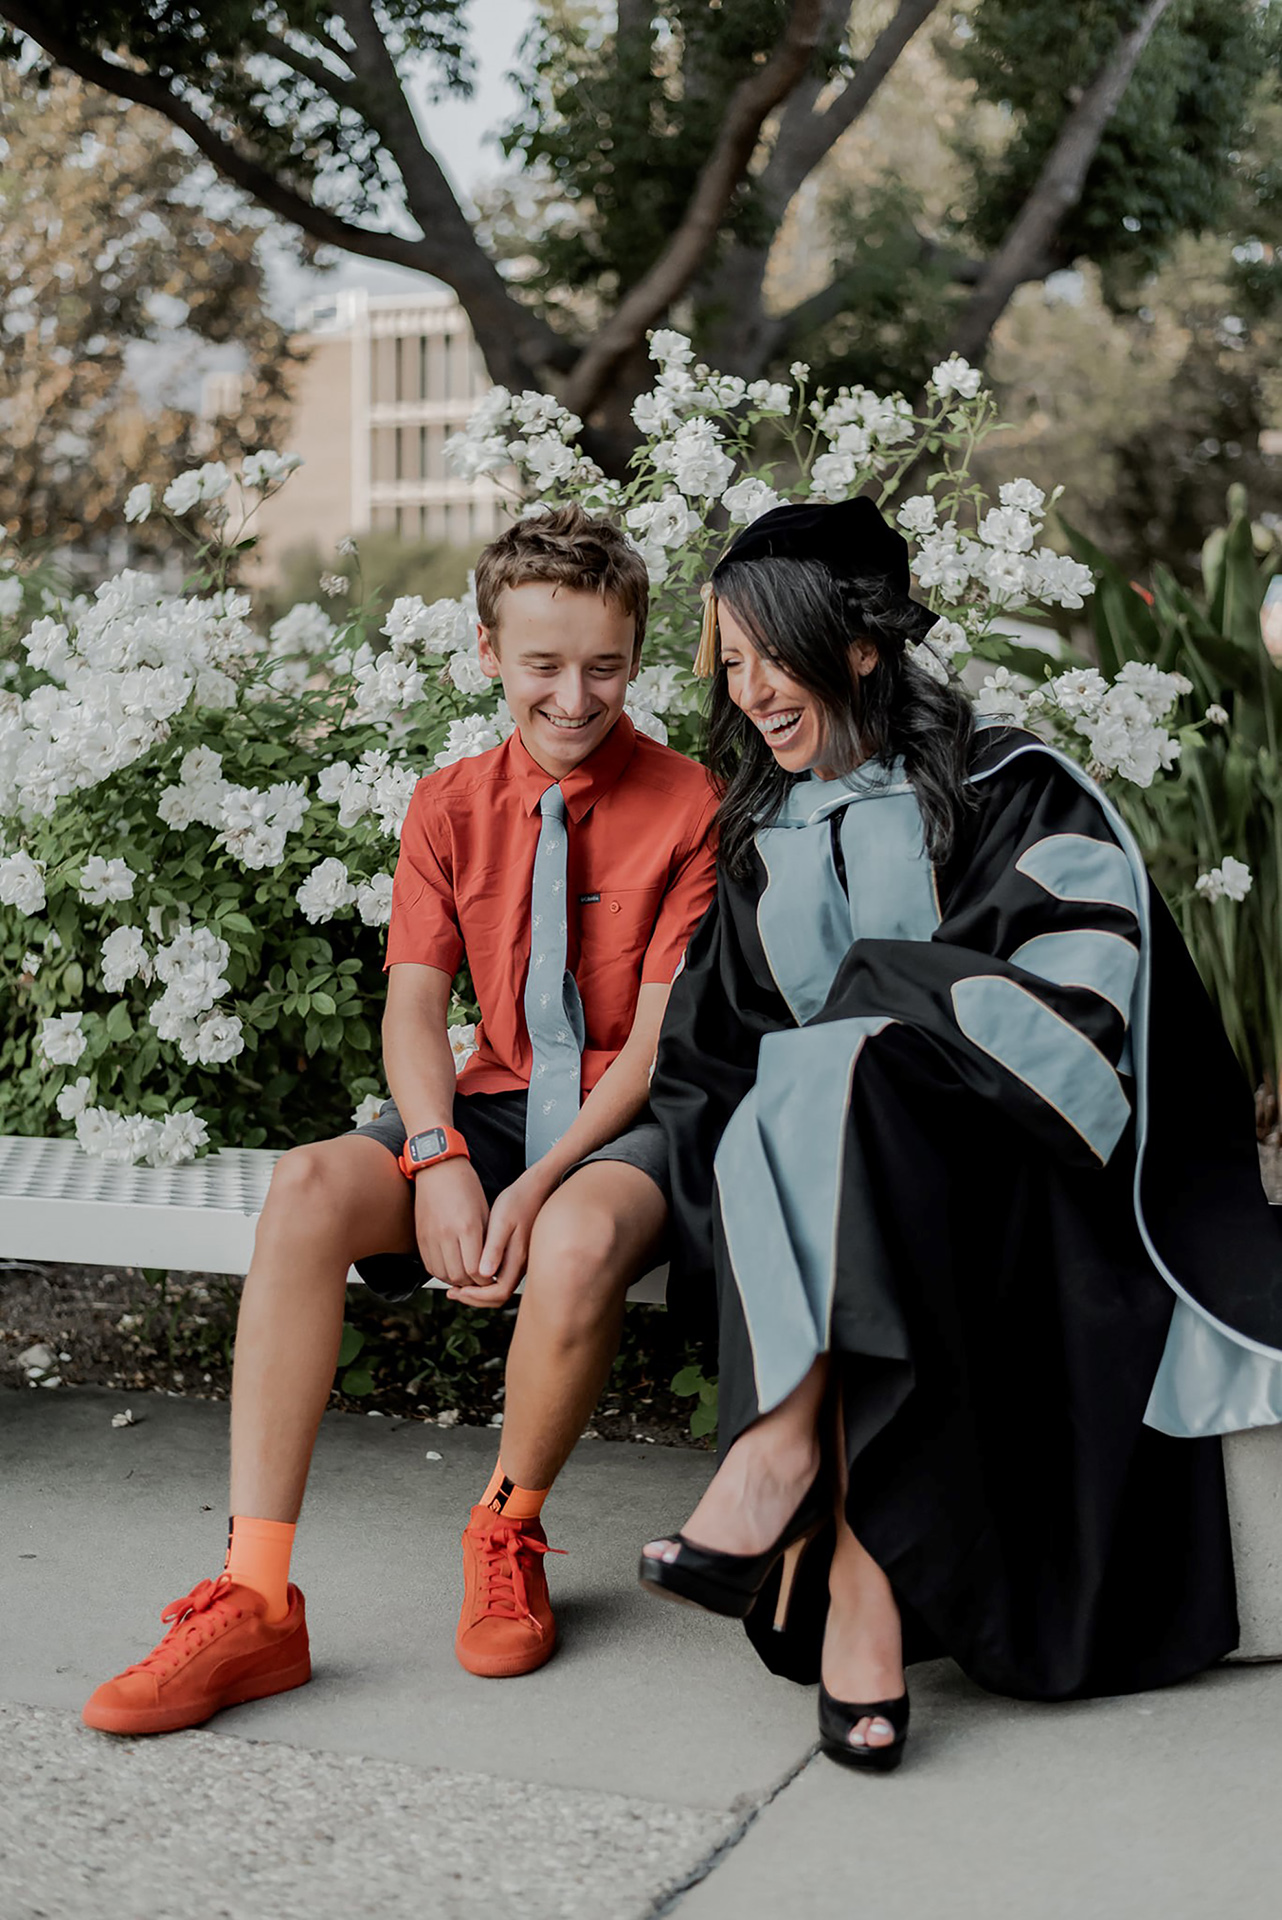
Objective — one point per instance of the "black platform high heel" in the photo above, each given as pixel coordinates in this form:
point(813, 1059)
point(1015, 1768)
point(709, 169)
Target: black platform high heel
point(729, 1583)
point(838, 1719)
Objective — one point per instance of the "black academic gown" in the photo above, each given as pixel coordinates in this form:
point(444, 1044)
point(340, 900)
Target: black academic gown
point(984, 1155)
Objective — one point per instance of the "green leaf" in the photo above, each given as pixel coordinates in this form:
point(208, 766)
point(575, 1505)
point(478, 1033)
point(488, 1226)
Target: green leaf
point(689, 1380)
point(350, 1344)
point(323, 1002)
point(357, 1382)
point(703, 1421)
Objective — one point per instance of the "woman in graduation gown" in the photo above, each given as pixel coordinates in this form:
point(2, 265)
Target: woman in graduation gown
point(959, 1146)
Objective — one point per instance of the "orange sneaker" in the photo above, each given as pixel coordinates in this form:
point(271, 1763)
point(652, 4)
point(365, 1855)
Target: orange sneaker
point(506, 1626)
point(218, 1651)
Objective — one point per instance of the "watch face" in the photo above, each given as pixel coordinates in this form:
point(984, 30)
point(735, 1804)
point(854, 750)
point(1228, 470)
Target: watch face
point(427, 1146)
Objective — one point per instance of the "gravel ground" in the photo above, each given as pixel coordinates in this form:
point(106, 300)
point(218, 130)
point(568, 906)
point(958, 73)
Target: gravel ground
point(202, 1827)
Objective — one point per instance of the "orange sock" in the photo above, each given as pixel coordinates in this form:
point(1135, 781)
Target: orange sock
point(518, 1503)
point(258, 1556)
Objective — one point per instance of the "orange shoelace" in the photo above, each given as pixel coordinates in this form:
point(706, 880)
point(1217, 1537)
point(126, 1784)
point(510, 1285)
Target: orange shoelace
point(505, 1555)
point(194, 1623)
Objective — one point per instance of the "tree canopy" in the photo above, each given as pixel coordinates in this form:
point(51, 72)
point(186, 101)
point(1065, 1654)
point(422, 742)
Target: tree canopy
point(665, 143)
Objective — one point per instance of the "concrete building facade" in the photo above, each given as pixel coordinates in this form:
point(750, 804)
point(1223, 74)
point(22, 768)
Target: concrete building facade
point(387, 379)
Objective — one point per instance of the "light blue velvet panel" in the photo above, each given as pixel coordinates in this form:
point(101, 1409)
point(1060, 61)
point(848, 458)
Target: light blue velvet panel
point(1103, 963)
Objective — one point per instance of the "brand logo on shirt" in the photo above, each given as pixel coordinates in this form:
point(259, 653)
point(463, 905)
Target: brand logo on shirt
point(589, 899)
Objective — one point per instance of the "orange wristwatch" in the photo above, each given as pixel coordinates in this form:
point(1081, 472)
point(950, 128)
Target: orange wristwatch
point(429, 1148)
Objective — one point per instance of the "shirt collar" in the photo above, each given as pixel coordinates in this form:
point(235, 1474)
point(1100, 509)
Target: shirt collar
point(584, 787)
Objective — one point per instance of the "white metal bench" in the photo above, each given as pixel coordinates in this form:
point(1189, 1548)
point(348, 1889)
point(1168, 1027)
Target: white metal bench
point(59, 1204)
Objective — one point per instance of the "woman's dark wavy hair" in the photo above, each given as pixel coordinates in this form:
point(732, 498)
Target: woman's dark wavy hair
point(804, 620)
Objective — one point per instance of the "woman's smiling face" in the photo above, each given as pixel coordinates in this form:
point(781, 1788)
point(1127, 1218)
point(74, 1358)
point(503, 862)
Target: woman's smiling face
point(789, 718)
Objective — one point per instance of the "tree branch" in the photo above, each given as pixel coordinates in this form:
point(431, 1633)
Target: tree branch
point(336, 85)
point(744, 340)
point(750, 103)
point(514, 341)
point(803, 145)
point(1058, 189)
point(845, 289)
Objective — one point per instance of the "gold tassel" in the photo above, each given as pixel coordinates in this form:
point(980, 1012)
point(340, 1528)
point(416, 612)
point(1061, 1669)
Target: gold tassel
point(705, 660)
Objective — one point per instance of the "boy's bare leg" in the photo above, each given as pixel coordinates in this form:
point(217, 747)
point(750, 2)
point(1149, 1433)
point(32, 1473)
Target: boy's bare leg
point(329, 1205)
point(594, 1237)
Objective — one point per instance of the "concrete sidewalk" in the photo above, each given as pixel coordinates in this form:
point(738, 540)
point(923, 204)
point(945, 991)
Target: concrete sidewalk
point(652, 1767)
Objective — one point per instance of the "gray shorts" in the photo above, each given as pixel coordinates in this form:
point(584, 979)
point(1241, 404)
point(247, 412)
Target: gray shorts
point(493, 1124)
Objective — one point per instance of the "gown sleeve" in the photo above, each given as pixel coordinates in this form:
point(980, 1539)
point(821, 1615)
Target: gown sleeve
point(1027, 985)
point(716, 1016)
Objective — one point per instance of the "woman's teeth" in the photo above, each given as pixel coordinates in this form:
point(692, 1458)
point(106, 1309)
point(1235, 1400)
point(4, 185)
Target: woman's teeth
point(775, 725)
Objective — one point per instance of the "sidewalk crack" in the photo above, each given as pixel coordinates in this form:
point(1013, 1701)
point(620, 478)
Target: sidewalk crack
point(708, 1865)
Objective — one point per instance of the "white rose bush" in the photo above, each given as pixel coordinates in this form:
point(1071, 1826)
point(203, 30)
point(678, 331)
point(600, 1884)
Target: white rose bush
point(199, 820)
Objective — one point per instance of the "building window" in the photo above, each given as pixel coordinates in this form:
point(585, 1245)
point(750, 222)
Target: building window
point(400, 523)
point(398, 390)
point(399, 468)
point(422, 366)
point(422, 523)
point(423, 468)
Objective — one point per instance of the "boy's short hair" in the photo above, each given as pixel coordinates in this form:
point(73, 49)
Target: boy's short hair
point(571, 548)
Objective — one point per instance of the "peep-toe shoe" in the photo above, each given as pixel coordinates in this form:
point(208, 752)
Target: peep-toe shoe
point(728, 1583)
point(838, 1719)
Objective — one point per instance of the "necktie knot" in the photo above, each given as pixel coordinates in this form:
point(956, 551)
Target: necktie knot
point(552, 805)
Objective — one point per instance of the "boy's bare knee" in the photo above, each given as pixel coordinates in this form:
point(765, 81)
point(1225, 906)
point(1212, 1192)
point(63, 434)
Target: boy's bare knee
point(575, 1265)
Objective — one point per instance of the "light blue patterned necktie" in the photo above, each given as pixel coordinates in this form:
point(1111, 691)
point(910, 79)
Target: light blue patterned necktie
point(553, 1010)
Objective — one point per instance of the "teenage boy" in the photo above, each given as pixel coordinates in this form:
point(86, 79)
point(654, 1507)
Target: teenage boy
point(570, 865)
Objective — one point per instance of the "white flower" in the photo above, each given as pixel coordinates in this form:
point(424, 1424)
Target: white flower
point(75, 1098)
point(799, 370)
point(668, 522)
point(123, 957)
point(177, 1140)
point(1006, 577)
point(1157, 690)
point(197, 484)
point(217, 1039)
point(1217, 716)
point(656, 412)
point(661, 688)
point(549, 460)
point(918, 515)
point(467, 737)
point(1076, 693)
point(469, 458)
point(462, 1043)
point(1058, 579)
point(31, 963)
point(770, 396)
point(306, 628)
point(1022, 494)
point(833, 475)
point(1007, 527)
point(138, 502)
point(367, 1109)
point(1000, 697)
point(102, 881)
point(645, 720)
point(385, 686)
point(748, 499)
point(10, 595)
point(923, 655)
point(61, 1041)
point(669, 348)
point(441, 628)
point(724, 390)
point(1231, 880)
point(265, 469)
point(695, 458)
point(327, 890)
point(47, 647)
point(956, 375)
point(467, 673)
point(22, 883)
point(374, 900)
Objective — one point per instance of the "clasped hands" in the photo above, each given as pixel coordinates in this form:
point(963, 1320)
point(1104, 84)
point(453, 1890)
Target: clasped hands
point(479, 1251)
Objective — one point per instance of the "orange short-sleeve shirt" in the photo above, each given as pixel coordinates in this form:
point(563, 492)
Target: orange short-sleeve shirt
point(640, 871)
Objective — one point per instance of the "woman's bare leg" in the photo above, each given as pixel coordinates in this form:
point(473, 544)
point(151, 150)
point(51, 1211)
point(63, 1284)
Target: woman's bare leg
point(863, 1655)
point(762, 1480)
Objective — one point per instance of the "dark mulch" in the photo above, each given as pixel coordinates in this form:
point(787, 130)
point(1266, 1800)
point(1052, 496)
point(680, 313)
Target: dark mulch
point(149, 1333)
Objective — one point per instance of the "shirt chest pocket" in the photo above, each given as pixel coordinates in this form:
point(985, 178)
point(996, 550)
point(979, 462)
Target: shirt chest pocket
point(618, 921)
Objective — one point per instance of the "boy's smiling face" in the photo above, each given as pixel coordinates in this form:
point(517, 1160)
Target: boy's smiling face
point(565, 658)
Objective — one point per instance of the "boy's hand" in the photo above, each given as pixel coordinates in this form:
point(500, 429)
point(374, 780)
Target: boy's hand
point(507, 1244)
point(450, 1218)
